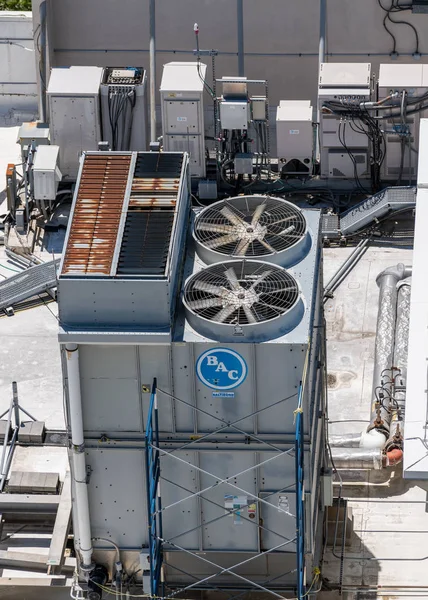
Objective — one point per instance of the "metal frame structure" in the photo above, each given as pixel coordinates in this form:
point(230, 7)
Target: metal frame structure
point(158, 545)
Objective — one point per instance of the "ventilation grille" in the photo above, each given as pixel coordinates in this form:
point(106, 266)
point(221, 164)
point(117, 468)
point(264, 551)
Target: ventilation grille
point(145, 242)
point(159, 165)
point(250, 226)
point(241, 293)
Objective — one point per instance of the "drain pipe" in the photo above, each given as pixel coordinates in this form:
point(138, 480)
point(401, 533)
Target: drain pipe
point(42, 73)
point(152, 58)
point(78, 458)
point(394, 444)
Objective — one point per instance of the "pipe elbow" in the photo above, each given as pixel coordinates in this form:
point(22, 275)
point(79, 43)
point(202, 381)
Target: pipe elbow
point(393, 457)
point(398, 272)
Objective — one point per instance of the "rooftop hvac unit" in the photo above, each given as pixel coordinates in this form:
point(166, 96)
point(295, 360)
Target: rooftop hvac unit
point(124, 108)
point(253, 227)
point(250, 299)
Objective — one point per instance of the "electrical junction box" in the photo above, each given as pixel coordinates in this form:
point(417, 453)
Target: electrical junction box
point(295, 135)
point(33, 133)
point(74, 114)
point(258, 108)
point(234, 114)
point(123, 93)
point(396, 78)
point(46, 173)
point(183, 130)
point(341, 139)
point(327, 487)
point(243, 164)
point(344, 75)
point(342, 167)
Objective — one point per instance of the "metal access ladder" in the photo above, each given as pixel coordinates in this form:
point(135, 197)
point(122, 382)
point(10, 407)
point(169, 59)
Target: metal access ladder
point(29, 283)
point(389, 200)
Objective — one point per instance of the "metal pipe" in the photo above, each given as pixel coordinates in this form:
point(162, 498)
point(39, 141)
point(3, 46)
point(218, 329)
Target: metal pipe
point(9, 458)
point(401, 346)
point(345, 440)
point(6, 439)
point(384, 349)
point(15, 403)
point(78, 457)
point(240, 27)
point(42, 70)
point(152, 53)
point(345, 267)
point(357, 458)
point(321, 57)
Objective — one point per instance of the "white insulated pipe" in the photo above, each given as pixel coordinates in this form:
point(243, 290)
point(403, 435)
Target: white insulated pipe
point(78, 456)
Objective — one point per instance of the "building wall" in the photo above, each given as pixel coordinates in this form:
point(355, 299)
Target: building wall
point(280, 37)
point(18, 84)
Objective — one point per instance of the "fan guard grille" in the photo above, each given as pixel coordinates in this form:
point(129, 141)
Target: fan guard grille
point(250, 226)
point(241, 293)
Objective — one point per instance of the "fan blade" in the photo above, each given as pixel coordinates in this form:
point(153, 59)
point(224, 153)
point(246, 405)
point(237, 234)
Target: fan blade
point(282, 220)
point(232, 216)
point(249, 314)
point(277, 291)
point(259, 279)
point(207, 303)
point(222, 241)
point(215, 228)
point(232, 278)
point(267, 246)
point(277, 308)
point(225, 313)
point(203, 286)
point(242, 247)
point(287, 230)
point(257, 214)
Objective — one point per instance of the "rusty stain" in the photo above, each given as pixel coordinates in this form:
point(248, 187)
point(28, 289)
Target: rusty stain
point(97, 215)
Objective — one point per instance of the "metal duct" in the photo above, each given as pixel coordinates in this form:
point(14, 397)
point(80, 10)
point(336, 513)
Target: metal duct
point(384, 349)
point(401, 346)
point(357, 458)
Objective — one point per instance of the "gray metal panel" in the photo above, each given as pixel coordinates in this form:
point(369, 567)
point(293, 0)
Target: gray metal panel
point(227, 409)
point(279, 524)
point(155, 361)
point(109, 385)
point(278, 374)
point(117, 497)
point(230, 532)
point(114, 303)
point(183, 363)
point(179, 481)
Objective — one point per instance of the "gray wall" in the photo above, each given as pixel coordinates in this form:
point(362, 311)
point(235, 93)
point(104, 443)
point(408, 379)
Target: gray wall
point(280, 36)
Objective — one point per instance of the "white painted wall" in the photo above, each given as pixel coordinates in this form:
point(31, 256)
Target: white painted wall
point(18, 82)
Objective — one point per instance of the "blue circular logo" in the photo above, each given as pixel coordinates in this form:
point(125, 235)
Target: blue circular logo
point(221, 369)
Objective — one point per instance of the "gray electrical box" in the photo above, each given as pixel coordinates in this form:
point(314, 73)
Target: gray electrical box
point(295, 136)
point(46, 173)
point(396, 79)
point(74, 114)
point(34, 133)
point(124, 108)
point(181, 91)
point(344, 146)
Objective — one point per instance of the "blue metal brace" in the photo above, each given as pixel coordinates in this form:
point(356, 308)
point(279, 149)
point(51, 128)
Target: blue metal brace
point(154, 504)
point(300, 506)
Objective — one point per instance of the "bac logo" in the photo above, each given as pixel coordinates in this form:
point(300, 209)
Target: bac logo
point(221, 369)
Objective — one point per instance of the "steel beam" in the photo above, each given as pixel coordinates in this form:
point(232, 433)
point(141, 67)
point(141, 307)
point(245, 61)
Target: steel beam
point(61, 530)
point(26, 561)
point(29, 504)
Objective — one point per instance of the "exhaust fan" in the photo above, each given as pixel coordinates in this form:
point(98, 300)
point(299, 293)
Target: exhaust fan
point(242, 298)
point(261, 227)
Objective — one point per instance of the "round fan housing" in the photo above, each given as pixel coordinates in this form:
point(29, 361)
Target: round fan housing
point(252, 227)
point(243, 300)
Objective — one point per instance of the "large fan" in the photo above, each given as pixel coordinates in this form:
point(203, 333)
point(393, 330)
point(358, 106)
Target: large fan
point(240, 294)
point(250, 227)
